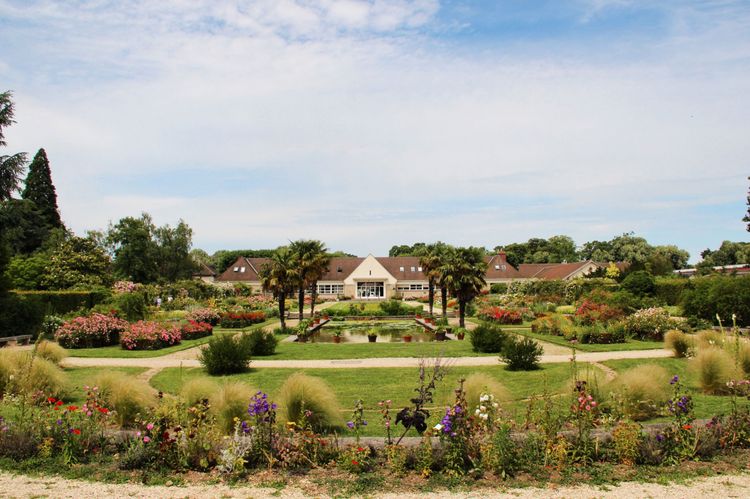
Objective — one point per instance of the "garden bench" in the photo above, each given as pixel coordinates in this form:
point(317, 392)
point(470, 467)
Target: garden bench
point(22, 339)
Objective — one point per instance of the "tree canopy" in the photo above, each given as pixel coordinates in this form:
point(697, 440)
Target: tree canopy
point(11, 165)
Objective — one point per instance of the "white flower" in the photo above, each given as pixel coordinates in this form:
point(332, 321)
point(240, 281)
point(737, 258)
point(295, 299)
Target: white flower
point(438, 427)
point(495, 405)
point(484, 398)
point(476, 412)
point(483, 416)
point(482, 408)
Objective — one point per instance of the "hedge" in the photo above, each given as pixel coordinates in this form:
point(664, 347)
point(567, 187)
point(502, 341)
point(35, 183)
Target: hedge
point(19, 315)
point(670, 290)
point(63, 302)
point(722, 295)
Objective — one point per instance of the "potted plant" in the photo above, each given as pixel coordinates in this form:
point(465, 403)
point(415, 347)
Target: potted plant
point(460, 333)
point(440, 334)
point(337, 336)
point(372, 335)
point(407, 337)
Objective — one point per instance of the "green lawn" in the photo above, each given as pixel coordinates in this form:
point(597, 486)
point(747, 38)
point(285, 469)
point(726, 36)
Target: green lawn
point(78, 377)
point(117, 351)
point(369, 307)
point(614, 347)
point(396, 384)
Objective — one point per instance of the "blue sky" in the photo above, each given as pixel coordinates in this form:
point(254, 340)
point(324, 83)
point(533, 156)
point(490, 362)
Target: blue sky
point(373, 123)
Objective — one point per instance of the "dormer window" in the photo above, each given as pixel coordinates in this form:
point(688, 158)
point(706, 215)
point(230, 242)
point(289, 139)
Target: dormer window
point(242, 270)
point(503, 267)
point(236, 269)
point(497, 267)
point(400, 269)
point(413, 269)
point(339, 269)
point(419, 269)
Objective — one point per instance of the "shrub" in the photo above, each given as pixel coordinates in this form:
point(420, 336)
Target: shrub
point(590, 312)
point(722, 295)
point(714, 367)
point(146, 335)
point(264, 343)
point(640, 283)
point(132, 305)
point(499, 288)
point(642, 391)
point(234, 320)
point(227, 354)
point(63, 302)
point(20, 315)
point(744, 358)
point(598, 335)
point(669, 291)
point(194, 330)
point(478, 383)
point(301, 393)
point(196, 390)
point(50, 351)
point(680, 343)
point(565, 309)
point(395, 307)
point(521, 354)
point(487, 338)
point(128, 397)
point(649, 324)
point(500, 315)
point(230, 402)
point(97, 330)
point(207, 315)
point(50, 325)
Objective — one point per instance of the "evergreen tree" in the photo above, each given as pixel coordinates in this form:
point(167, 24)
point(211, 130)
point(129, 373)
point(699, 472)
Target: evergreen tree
point(11, 167)
point(40, 189)
point(747, 217)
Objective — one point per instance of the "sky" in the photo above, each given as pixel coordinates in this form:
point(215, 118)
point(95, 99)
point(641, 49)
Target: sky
point(371, 123)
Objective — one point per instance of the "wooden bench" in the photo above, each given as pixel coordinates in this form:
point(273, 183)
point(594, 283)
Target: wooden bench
point(23, 339)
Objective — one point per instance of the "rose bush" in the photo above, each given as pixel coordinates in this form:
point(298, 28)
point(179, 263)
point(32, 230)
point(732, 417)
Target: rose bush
point(500, 315)
point(194, 330)
point(96, 330)
point(235, 320)
point(208, 315)
point(146, 335)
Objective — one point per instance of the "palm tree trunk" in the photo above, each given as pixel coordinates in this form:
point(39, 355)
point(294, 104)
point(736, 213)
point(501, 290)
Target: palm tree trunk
point(431, 294)
point(461, 313)
point(444, 300)
point(282, 304)
point(301, 301)
point(314, 293)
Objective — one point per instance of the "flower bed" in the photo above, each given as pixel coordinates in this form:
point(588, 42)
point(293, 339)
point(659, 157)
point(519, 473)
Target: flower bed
point(500, 315)
point(589, 313)
point(145, 335)
point(649, 324)
point(96, 330)
point(194, 330)
point(235, 320)
point(208, 315)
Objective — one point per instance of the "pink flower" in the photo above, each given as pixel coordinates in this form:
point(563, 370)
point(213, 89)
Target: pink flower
point(146, 439)
point(150, 426)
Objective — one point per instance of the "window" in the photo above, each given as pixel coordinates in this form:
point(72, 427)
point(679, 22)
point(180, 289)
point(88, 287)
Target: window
point(242, 269)
point(497, 267)
point(413, 269)
point(330, 289)
point(503, 267)
point(419, 269)
point(412, 287)
point(339, 269)
point(236, 269)
point(400, 269)
point(371, 290)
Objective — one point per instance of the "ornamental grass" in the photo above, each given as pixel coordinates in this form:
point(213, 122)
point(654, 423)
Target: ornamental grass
point(198, 389)
point(301, 393)
point(641, 391)
point(715, 367)
point(680, 343)
point(51, 351)
point(477, 384)
point(128, 397)
point(230, 402)
point(23, 374)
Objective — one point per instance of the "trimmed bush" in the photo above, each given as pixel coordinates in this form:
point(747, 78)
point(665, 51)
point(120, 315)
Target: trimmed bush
point(521, 354)
point(301, 393)
point(670, 291)
point(198, 389)
point(238, 321)
point(97, 330)
point(723, 295)
point(50, 351)
point(20, 315)
point(642, 391)
point(478, 383)
point(264, 343)
point(128, 397)
point(395, 307)
point(500, 315)
point(227, 354)
point(230, 402)
point(680, 343)
point(207, 315)
point(147, 335)
point(640, 283)
point(598, 335)
point(64, 302)
point(132, 305)
point(714, 367)
point(499, 288)
point(487, 338)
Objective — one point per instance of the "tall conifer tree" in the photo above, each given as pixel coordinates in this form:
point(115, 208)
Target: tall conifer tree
point(40, 189)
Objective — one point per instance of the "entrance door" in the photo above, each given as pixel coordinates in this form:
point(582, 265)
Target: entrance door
point(371, 290)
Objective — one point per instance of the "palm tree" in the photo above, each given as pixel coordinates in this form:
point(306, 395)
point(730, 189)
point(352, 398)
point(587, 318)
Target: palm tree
point(312, 261)
point(463, 275)
point(431, 259)
point(11, 167)
point(279, 276)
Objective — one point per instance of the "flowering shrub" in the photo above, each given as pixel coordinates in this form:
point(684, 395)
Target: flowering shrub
point(122, 287)
point(97, 330)
point(146, 335)
point(260, 302)
point(500, 315)
point(194, 330)
point(678, 441)
point(649, 324)
point(589, 313)
point(241, 320)
point(208, 315)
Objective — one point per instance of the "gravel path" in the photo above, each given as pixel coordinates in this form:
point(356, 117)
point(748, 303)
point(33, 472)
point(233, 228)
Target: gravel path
point(19, 486)
point(163, 362)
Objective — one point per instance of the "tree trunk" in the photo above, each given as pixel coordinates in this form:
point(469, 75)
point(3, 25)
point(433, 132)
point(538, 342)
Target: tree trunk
point(444, 300)
point(461, 312)
point(314, 293)
point(301, 301)
point(431, 294)
point(282, 306)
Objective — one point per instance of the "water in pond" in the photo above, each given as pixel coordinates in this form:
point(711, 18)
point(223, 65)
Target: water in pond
point(356, 332)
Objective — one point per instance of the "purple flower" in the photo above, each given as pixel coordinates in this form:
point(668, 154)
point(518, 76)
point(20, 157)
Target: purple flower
point(350, 425)
point(675, 379)
point(59, 422)
point(659, 437)
point(364, 423)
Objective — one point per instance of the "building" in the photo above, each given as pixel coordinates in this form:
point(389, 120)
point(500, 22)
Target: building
point(378, 278)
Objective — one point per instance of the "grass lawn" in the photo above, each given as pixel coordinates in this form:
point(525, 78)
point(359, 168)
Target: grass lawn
point(614, 347)
point(396, 384)
point(78, 377)
point(116, 351)
point(308, 351)
point(706, 406)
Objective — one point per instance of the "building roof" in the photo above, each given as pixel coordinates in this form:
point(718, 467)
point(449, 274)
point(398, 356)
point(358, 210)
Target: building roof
point(401, 267)
point(243, 270)
point(340, 268)
point(204, 271)
point(550, 270)
point(499, 268)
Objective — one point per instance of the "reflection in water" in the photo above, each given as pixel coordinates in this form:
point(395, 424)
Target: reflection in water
point(390, 332)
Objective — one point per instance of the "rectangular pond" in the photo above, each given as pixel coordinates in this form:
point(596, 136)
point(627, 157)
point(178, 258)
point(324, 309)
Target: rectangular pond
point(356, 332)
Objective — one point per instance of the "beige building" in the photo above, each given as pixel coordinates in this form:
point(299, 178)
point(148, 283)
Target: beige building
point(379, 278)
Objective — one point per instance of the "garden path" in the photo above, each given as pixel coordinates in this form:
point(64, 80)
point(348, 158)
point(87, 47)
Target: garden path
point(170, 361)
point(13, 485)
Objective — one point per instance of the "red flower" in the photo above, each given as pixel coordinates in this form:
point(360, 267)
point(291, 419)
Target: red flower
point(57, 408)
point(355, 463)
point(72, 408)
point(59, 403)
point(103, 410)
point(76, 431)
point(360, 449)
point(52, 400)
point(686, 427)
